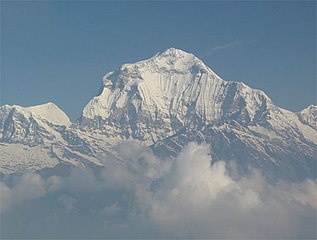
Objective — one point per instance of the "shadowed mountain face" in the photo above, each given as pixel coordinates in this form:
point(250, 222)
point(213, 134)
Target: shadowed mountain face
point(166, 102)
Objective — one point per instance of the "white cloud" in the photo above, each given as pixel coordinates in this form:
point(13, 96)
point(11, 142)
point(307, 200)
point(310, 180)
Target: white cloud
point(143, 196)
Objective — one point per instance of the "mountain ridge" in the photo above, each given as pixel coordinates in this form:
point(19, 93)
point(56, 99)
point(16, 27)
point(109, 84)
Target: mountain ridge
point(165, 102)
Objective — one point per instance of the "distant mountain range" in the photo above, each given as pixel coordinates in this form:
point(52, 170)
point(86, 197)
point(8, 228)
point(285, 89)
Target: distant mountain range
point(164, 102)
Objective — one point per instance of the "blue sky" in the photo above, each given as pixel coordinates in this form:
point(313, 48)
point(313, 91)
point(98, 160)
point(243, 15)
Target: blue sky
point(59, 50)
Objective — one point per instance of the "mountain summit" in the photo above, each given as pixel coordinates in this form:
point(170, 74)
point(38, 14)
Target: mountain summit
point(158, 97)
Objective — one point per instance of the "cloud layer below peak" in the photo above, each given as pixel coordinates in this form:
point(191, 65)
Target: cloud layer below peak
point(147, 197)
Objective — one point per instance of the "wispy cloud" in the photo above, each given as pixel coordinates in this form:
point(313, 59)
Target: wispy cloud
point(222, 47)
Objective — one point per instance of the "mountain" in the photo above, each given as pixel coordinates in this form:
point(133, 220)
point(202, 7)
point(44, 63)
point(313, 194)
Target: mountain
point(31, 124)
point(174, 90)
point(37, 137)
point(165, 102)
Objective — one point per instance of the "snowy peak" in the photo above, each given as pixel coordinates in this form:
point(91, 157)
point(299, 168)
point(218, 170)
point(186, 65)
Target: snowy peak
point(160, 96)
point(31, 125)
point(176, 59)
point(160, 69)
point(173, 52)
point(309, 116)
point(48, 112)
point(312, 109)
point(169, 60)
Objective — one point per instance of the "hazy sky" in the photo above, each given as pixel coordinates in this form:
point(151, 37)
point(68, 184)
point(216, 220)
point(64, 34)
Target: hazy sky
point(59, 50)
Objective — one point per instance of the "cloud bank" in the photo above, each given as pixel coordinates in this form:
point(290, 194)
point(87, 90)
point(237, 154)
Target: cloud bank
point(146, 197)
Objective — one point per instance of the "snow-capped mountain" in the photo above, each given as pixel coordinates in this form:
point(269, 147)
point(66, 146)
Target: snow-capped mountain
point(31, 125)
point(165, 102)
point(38, 137)
point(174, 90)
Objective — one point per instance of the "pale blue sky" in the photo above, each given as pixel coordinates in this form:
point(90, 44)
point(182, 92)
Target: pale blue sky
point(59, 50)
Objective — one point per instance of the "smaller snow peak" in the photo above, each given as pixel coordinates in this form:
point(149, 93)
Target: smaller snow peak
point(309, 111)
point(310, 108)
point(309, 116)
point(47, 111)
point(50, 112)
point(41, 107)
point(48, 105)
